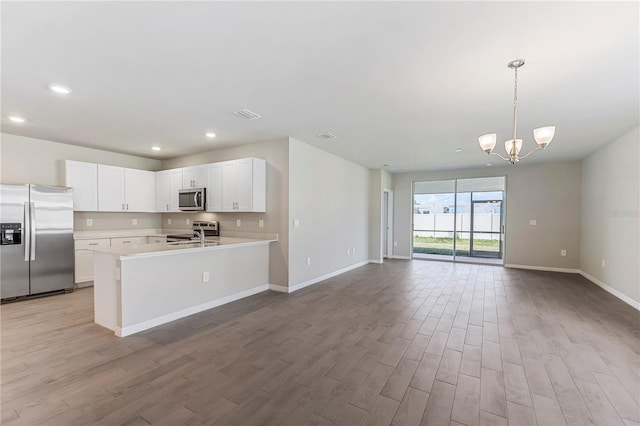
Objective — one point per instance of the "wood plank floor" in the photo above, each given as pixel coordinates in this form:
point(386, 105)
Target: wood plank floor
point(404, 343)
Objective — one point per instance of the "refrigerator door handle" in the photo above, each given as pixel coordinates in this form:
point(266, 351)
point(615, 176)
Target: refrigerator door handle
point(32, 222)
point(26, 230)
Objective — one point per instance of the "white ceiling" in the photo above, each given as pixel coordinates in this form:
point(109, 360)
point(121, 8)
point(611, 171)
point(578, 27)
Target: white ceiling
point(403, 83)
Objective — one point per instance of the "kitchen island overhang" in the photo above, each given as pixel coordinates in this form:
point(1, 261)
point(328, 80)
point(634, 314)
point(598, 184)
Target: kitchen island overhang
point(140, 287)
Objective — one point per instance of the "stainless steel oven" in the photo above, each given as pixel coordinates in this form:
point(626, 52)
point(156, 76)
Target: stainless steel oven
point(192, 199)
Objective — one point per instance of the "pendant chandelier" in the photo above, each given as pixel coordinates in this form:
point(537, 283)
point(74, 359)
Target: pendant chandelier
point(541, 135)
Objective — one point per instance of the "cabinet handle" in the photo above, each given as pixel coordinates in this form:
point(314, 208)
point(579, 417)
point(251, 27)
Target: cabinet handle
point(93, 244)
point(126, 242)
point(167, 207)
point(127, 206)
point(122, 206)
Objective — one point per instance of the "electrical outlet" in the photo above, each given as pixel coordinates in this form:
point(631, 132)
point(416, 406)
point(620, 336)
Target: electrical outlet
point(89, 222)
point(134, 222)
point(260, 223)
point(296, 223)
point(603, 263)
point(187, 221)
point(168, 221)
point(205, 277)
point(308, 261)
point(563, 253)
point(533, 222)
point(238, 223)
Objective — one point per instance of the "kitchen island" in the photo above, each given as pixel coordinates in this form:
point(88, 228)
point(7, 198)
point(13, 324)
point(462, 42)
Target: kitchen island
point(142, 286)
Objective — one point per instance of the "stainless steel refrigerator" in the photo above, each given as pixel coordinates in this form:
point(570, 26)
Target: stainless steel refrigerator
point(36, 225)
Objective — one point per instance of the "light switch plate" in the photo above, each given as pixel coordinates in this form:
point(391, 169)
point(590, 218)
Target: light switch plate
point(308, 261)
point(168, 221)
point(238, 223)
point(260, 223)
point(187, 221)
point(134, 222)
point(205, 277)
point(89, 222)
point(296, 223)
point(563, 253)
point(533, 222)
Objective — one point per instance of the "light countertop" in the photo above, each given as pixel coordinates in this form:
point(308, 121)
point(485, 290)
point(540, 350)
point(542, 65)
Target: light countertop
point(119, 233)
point(212, 244)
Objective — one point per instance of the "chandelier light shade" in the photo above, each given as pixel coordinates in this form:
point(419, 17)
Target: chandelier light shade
point(542, 135)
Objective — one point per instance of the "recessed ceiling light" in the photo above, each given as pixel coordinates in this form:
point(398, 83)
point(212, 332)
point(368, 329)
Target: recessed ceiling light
point(58, 88)
point(459, 150)
point(210, 135)
point(156, 148)
point(16, 119)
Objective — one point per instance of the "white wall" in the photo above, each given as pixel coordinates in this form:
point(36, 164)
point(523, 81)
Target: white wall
point(29, 160)
point(276, 154)
point(610, 204)
point(549, 193)
point(329, 197)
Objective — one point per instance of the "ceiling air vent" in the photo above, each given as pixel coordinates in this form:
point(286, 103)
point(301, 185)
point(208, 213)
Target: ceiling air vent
point(327, 136)
point(245, 113)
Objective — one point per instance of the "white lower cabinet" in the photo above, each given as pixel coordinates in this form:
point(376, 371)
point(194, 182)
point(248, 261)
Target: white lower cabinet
point(124, 241)
point(84, 253)
point(84, 258)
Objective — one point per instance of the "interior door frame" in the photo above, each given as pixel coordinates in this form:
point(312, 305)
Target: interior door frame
point(387, 228)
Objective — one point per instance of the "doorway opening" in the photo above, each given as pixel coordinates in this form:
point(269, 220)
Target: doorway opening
point(460, 220)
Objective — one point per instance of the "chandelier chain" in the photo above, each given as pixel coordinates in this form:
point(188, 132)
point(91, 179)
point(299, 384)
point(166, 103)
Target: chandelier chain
point(515, 103)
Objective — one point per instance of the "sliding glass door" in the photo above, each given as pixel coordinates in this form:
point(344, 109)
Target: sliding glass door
point(433, 219)
point(460, 220)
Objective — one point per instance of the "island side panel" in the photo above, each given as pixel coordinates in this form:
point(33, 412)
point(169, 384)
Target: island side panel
point(159, 289)
point(106, 290)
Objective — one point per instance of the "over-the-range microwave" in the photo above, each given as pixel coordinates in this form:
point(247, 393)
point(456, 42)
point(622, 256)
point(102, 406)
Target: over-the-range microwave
point(192, 199)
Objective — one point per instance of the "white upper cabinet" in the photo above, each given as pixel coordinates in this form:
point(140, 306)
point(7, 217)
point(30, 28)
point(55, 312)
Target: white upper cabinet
point(194, 177)
point(214, 187)
point(140, 190)
point(123, 189)
point(244, 185)
point(168, 183)
point(111, 189)
point(83, 178)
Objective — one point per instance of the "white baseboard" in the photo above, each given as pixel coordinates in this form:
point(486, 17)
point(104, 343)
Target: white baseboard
point(543, 268)
point(378, 261)
point(326, 276)
point(395, 256)
point(145, 325)
point(279, 288)
point(626, 299)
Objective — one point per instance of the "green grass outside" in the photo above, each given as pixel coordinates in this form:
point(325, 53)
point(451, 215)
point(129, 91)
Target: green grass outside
point(438, 244)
